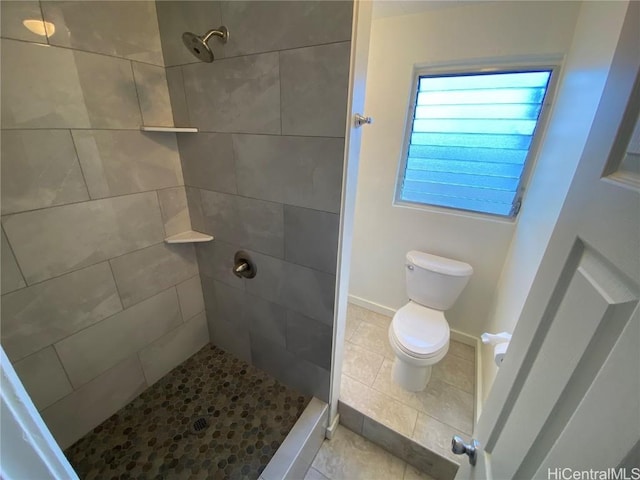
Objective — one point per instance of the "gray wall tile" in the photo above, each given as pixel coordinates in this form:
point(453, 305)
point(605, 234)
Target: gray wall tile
point(83, 90)
point(175, 347)
point(153, 94)
point(235, 95)
point(37, 316)
point(175, 210)
point(302, 289)
point(315, 84)
point(11, 277)
point(252, 224)
point(12, 13)
point(92, 351)
point(39, 169)
point(82, 234)
point(118, 162)
point(265, 319)
point(290, 369)
point(350, 418)
point(195, 208)
point(207, 161)
point(231, 338)
point(123, 29)
point(223, 303)
point(75, 415)
point(215, 260)
point(311, 238)
point(302, 171)
point(43, 377)
point(267, 26)
point(190, 297)
point(176, 17)
point(175, 84)
point(309, 339)
point(145, 272)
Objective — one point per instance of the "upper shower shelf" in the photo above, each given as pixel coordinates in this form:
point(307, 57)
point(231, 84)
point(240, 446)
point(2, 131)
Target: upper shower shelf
point(190, 236)
point(145, 128)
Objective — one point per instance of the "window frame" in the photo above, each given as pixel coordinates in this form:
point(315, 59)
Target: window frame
point(552, 63)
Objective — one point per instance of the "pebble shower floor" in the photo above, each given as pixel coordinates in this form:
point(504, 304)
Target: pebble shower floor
point(161, 434)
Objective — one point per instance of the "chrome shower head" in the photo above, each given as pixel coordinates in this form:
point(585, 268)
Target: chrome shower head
point(199, 45)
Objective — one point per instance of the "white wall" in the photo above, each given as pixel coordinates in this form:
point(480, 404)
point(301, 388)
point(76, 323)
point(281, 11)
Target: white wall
point(384, 233)
point(579, 92)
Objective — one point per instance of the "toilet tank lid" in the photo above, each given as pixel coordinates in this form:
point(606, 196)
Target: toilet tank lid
point(438, 264)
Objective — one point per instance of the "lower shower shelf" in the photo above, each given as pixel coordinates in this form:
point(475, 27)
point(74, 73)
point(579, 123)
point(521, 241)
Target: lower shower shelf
point(189, 236)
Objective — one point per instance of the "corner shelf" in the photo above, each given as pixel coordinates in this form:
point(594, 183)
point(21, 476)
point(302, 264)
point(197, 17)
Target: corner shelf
point(189, 236)
point(146, 128)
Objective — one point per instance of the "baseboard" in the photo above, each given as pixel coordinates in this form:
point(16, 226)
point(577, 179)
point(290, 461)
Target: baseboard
point(374, 307)
point(465, 338)
point(331, 429)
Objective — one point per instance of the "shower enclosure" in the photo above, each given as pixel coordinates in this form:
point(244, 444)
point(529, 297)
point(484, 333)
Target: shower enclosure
point(132, 174)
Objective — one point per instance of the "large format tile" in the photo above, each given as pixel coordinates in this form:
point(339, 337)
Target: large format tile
point(456, 371)
point(11, 277)
point(175, 83)
point(207, 161)
point(386, 410)
point(175, 210)
point(315, 85)
point(82, 234)
point(117, 162)
point(290, 369)
point(176, 17)
point(412, 473)
point(13, 13)
point(349, 456)
point(43, 377)
point(190, 297)
point(313, 474)
point(173, 348)
point(265, 319)
point(153, 94)
point(39, 169)
point(440, 400)
point(309, 339)
point(253, 224)
point(361, 364)
point(82, 90)
point(462, 350)
point(301, 289)
point(76, 414)
point(37, 316)
point(194, 202)
point(359, 314)
point(373, 338)
point(350, 417)
point(215, 260)
point(268, 26)
point(301, 171)
point(436, 436)
point(235, 95)
point(126, 29)
point(143, 273)
point(92, 351)
point(311, 238)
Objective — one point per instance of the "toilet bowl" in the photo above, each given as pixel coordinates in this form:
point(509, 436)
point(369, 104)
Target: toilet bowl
point(419, 331)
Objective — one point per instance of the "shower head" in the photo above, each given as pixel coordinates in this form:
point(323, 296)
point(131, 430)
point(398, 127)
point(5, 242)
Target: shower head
point(199, 46)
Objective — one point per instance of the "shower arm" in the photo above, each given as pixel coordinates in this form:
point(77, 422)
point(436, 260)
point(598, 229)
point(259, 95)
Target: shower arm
point(221, 32)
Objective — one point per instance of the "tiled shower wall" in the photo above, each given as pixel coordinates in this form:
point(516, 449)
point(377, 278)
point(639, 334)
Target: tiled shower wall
point(95, 306)
point(265, 172)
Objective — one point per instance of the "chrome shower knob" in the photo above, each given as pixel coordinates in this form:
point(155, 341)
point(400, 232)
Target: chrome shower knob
point(459, 447)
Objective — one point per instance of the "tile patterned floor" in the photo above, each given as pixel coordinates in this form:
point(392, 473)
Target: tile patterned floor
point(348, 456)
point(430, 417)
point(249, 414)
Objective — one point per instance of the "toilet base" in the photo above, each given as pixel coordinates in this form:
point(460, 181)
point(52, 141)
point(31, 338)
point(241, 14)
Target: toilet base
point(410, 377)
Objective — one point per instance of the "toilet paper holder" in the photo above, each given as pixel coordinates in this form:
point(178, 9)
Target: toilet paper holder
point(500, 342)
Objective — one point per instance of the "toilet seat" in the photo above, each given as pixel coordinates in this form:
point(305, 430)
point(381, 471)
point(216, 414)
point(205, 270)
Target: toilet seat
point(420, 332)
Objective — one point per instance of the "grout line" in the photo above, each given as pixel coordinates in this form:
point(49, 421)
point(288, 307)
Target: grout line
point(280, 90)
point(135, 85)
point(44, 20)
point(15, 259)
point(164, 223)
point(179, 306)
point(73, 389)
point(115, 283)
point(79, 50)
point(84, 177)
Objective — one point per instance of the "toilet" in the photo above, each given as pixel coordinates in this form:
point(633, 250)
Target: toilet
point(419, 332)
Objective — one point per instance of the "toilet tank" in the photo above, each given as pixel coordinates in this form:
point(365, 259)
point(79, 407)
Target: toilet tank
point(435, 282)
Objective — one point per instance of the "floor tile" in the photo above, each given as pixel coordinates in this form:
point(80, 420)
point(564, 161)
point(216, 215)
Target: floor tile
point(364, 315)
point(313, 474)
point(373, 338)
point(412, 473)
point(360, 363)
point(440, 400)
point(351, 326)
point(456, 371)
point(462, 350)
point(392, 413)
point(436, 436)
point(349, 456)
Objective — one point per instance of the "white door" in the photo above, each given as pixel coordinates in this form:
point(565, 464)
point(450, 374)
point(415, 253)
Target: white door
point(568, 393)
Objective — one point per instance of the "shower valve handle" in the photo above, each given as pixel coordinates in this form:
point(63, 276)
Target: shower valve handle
point(360, 120)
